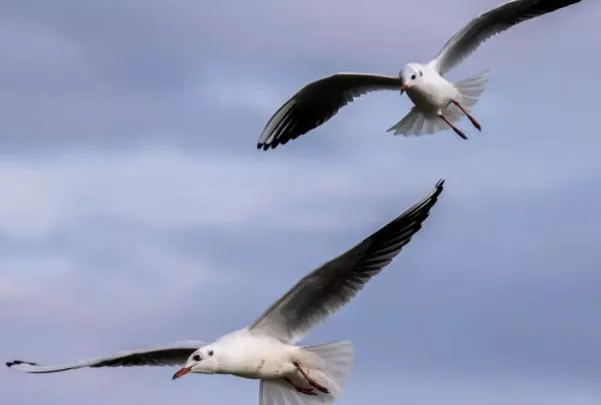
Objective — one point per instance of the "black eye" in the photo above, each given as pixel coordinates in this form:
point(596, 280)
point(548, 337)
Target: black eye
point(420, 73)
point(210, 352)
point(196, 357)
point(412, 77)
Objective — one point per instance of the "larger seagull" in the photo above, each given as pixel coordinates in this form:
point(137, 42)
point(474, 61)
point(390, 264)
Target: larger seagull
point(439, 104)
point(266, 350)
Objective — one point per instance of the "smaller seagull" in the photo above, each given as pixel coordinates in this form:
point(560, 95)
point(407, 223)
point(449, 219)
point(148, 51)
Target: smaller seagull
point(266, 350)
point(438, 102)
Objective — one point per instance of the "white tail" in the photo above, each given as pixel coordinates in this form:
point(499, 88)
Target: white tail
point(335, 359)
point(338, 359)
point(418, 123)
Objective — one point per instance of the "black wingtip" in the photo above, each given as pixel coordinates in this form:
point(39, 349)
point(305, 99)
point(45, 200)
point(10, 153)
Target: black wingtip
point(433, 197)
point(439, 187)
point(263, 146)
point(9, 364)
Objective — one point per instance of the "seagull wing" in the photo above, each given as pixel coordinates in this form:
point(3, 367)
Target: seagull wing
point(167, 355)
point(317, 102)
point(336, 282)
point(493, 22)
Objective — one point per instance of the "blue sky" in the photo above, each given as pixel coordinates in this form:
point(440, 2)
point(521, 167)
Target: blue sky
point(136, 209)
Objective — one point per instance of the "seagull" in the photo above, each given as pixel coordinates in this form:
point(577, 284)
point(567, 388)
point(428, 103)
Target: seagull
point(438, 103)
point(289, 374)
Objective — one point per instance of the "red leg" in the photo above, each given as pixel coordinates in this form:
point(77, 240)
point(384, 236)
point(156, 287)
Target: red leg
point(302, 390)
point(457, 130)
point(311, 381)
point(472, 119)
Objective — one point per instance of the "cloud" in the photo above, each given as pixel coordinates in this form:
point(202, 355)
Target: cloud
point(163, 189)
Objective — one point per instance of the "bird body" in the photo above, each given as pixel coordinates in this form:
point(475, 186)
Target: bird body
point(438, 102)
point(431, 93)
point(244, 354)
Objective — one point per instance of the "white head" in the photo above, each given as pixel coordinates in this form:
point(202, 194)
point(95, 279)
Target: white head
point(204, 361)
point(411, 75)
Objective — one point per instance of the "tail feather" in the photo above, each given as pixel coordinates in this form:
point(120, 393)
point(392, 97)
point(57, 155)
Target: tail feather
point(338, 359)
point(418, 123)
point(334, 360)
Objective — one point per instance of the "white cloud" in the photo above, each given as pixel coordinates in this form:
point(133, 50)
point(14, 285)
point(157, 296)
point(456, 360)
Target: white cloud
point(65, 286)
point(166, 189)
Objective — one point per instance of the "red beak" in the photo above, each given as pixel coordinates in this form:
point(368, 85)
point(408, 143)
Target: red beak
point(404, 86)
point(181, 372)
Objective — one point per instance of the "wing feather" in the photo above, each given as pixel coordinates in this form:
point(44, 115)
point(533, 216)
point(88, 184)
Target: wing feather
point(488, 24)
point(336, 282)
point(166, 355)
point(317, 102)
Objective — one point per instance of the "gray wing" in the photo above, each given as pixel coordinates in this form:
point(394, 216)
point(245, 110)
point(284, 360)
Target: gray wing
point(317, 102)
point(336, 282)
point(167, 355)
point(495, 21)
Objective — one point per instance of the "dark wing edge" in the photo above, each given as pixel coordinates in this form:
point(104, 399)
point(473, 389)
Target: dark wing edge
point(317, 102)
point(490, 23)
point(367, 258)
point(165, 355)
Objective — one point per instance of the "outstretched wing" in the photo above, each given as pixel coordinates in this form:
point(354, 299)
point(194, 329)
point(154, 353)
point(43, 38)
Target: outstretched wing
point(167, 355)
point(336, 282)
point(493, 22)
point(317, 102)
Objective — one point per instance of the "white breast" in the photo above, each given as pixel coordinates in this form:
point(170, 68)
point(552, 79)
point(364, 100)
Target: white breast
point(249, 356)
point(432, 93)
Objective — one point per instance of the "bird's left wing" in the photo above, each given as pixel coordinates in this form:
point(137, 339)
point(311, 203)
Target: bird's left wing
point(166, 355)
point(495, 21)
point(317, 102)
point(336, 282)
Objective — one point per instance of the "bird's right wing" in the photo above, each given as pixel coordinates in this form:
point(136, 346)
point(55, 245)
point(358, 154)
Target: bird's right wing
point(493, 22)
point(167, 355)
point(324, 290)
point(317, 102)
